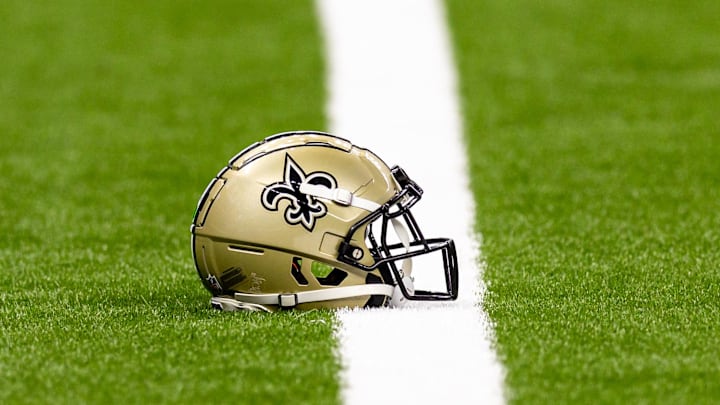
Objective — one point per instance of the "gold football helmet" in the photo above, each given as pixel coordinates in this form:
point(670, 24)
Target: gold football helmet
point(309, 220)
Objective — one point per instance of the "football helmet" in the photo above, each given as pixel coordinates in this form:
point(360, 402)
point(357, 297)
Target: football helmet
point(308, 220)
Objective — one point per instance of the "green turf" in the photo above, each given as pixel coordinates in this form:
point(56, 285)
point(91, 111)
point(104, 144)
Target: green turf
point(595, 143)
point(114, 116)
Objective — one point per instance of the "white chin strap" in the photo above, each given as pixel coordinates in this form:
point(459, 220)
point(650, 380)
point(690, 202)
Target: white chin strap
point(347, 198)
point(232, 305)
point(398, 299)
point(339, 196)
point(257, 302)
point(402, 234)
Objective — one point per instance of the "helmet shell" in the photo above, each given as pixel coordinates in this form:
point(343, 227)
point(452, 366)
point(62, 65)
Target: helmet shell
point(254, 232)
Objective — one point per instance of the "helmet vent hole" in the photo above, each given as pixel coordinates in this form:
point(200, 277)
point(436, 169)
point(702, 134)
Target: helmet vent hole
point(232, 276)
point(334, 278)
point(328, 275)
point(295, 271)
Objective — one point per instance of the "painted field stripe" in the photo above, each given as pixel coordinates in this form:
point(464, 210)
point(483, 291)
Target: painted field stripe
point(393, 90)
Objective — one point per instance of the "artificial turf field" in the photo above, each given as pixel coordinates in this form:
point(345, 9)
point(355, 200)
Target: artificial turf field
point(114, 117)
point(593, 138)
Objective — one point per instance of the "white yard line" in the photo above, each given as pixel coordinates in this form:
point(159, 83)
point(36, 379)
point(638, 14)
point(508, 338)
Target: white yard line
point(393, 90)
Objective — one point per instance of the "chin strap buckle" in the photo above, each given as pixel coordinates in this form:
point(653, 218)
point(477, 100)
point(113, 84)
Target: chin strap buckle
point(287, 300)
point(339, 196)
point(342, 197)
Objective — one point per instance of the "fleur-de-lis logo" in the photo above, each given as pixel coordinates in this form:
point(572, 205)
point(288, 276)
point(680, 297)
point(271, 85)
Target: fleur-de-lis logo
point(302, 208)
